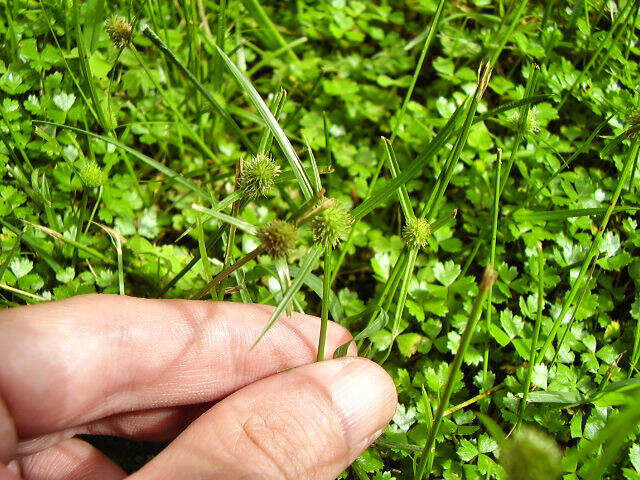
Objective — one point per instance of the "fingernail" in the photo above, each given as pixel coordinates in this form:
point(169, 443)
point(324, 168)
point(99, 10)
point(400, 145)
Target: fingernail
point(365, 398)
point(14, 467)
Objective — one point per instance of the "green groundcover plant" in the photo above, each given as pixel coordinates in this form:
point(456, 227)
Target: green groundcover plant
point(455, 182)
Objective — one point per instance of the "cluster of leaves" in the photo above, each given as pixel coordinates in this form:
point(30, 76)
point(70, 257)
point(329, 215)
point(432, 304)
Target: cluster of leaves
point(121, 171)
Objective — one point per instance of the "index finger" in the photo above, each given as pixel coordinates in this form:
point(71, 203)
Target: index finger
point(74, 361)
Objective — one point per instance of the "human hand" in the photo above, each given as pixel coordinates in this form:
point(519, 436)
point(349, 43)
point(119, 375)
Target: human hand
point(153, 369)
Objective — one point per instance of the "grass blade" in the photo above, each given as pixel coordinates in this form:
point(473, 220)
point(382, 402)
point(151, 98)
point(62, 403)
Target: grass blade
point(272, 123)
point(567, 328)
point(530, 100)
point(411, 171)
point(614, 435)
point(417, 165)
point(157, 41)
point(142, 157)
point(297, 282)
point(402, 299)
point(312, 281)
point(403, 196)
point(324, 315)
point(268, 30)
point(33, 296)
point(524, 215)
point(223, 217)
point(58, 236)
point(228, 271)
point(431, 207)
point(85, 68)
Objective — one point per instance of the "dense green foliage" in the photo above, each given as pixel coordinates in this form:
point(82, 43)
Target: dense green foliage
point(150, 194)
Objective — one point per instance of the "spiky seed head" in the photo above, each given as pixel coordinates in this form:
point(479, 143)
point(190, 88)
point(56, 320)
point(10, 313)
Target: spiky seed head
point(279, 238)
point(633, 119)
point(531, 124)
point(91, 174)
point(332, 224)
point(120, 31)
point(258, 176)
point(529, 454)
point(416, 232)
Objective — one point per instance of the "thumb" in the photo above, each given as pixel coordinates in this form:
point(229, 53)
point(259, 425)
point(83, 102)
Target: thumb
point(306, 423)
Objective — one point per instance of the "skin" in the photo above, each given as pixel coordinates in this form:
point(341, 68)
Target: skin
point(181, 371)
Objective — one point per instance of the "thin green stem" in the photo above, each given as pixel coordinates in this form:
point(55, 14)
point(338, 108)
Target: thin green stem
point(530, 89)
point(534, 339)
point(177, 115)
point(471, 257)
point(605, 41)
point(402, 299)
point(593, 250)
point(492, 262)
point(228, 271)
point(326, 289)
point(487, 280)
point(431, 207)
point(567, 328)
point(425, 48)
point(202, 248)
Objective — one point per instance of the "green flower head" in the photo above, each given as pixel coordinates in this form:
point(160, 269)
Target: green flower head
point(258, 176)
point(416, 233)
point(531, 124)
point(529, 454)
point(120, 31)
point(331, 224)
point(91, 174)
point(279, 238)
point(633, 119)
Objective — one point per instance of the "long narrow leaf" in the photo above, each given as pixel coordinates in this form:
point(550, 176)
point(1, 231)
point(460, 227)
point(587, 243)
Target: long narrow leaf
point(223, 217)
point(394, 168)
point(272, 123)
point(412, 170)
point(523, 215)
point(418, 164)
point(414, 79)
point(297, 282)
point(157, 41)
point(142, 157)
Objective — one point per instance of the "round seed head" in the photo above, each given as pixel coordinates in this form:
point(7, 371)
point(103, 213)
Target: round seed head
point(258, 176)
point(91, 174)
point(120, 31)
point(531, 125)
point(416, 233)
point(332, 224)
point(279, 238)
point(633, 119)
point(531, 455)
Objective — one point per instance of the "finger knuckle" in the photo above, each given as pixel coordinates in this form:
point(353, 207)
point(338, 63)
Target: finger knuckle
point(270, 436)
